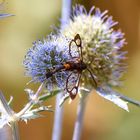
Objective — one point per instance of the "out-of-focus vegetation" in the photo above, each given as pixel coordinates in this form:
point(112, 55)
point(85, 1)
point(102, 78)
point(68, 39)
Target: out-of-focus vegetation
point(103, 120)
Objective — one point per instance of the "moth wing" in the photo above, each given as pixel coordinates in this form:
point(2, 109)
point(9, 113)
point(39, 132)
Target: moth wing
point(75, 46)
point(72, 84)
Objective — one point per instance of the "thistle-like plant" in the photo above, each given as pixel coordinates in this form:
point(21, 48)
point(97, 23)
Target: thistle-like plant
point(101, 45)
point(85, 54)
point(101, 51)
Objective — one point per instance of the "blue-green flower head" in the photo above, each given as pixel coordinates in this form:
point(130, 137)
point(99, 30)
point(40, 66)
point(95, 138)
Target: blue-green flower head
point(44, 56)
point(101, 44)
point(101, 54)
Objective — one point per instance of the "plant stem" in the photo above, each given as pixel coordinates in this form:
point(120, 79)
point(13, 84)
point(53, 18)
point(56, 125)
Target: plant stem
point(66, 11)
point(15, 130)
point(57, 128)
point(29, 105)
point(6, 133)
point(10, 113)
point(80, 115)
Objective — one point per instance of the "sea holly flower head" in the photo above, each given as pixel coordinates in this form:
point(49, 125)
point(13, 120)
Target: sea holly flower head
point(101, 44)
point(45, 56)
point(99, 48)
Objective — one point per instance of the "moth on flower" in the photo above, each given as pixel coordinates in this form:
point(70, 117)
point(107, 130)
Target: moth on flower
point(44, 57)
point(57, 65)
point(75, 66)
point(101, 51)
point(88, 46)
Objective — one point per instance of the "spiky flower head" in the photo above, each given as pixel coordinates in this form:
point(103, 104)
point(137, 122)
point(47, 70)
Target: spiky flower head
point(102, 55)
point(45, 56)
point(101, 44)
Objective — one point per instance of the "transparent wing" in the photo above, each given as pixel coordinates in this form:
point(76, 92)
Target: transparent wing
point(75, 47)
point(72, 84)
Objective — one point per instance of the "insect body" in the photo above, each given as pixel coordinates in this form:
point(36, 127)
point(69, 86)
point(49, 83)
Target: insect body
point(75, 65)
point(68, 66)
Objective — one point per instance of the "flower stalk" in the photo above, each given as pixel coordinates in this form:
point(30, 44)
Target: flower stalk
point(33, 101)
point(8, 116)
point(80, 116)
point(11, 118)
point(57, 128)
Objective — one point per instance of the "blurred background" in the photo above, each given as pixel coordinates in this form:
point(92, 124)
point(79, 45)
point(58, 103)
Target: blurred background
point(103, 120)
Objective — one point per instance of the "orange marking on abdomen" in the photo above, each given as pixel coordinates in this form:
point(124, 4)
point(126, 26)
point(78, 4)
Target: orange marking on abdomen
point(67, 66)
